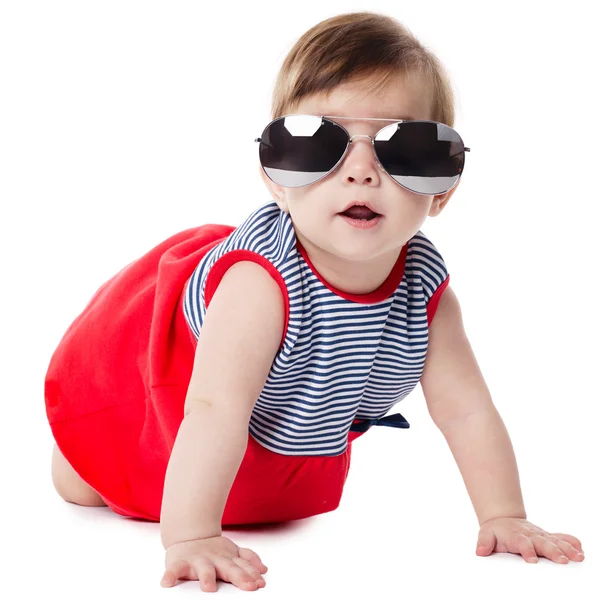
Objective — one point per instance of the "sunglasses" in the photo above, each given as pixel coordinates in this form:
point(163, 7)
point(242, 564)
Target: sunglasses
point(425, 157)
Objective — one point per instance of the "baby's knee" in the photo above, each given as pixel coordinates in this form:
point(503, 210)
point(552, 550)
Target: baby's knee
point(69, 485)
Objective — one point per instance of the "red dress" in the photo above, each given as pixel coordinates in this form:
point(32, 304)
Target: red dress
point(115, 391)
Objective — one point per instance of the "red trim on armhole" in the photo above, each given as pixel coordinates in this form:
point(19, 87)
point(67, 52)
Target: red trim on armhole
point(218, 270)
point(435, 300)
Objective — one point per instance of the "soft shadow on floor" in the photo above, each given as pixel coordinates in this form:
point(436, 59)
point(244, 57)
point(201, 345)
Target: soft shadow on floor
point(103, 514)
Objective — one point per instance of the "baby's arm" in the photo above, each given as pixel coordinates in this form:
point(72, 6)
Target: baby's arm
point(239, 339)
point(460, 404)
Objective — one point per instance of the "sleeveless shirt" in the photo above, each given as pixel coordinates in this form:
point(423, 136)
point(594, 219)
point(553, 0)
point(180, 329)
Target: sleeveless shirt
point(342, 357)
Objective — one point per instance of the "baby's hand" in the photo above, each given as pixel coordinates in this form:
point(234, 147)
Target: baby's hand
point(519, 536)
point(212, 558)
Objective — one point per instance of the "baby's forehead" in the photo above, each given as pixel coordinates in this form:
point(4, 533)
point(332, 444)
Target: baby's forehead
point(348, 115)
point(398, 101)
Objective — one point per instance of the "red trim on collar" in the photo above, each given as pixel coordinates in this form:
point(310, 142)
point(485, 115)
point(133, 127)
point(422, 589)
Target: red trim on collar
point(384, 291)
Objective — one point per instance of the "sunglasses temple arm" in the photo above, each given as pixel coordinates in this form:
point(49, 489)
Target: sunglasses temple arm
point(263, 142)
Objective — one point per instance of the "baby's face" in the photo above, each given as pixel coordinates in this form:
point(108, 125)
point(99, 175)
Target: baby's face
point(315, 209)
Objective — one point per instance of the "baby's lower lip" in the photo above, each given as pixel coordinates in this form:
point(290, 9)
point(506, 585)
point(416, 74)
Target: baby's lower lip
point(362, 223)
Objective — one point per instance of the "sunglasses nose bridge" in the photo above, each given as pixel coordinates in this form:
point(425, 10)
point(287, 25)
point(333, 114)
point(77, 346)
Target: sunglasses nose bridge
point(372, 144)
point(360, 135)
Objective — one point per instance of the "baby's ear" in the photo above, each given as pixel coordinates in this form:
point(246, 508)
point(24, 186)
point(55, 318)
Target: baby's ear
point(282, 203)
point(439, 202)
point(277, 192)
point(437, 206)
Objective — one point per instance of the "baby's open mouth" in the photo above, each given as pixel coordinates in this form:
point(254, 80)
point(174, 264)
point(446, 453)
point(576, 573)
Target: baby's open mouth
point(360, 212)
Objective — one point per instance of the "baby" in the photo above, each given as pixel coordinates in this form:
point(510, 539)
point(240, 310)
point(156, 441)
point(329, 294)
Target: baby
point(221, 378)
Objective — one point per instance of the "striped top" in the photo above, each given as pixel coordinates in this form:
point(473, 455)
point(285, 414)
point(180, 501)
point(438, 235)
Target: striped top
point(342, 357)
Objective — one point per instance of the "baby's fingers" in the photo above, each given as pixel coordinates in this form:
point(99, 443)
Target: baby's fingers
point(546, 547)
point(521, 544)
point(568, 550)
point(250, 569)
point(179, 569)
point(227, 570)
point(537, 545)
point(253, 559)
point(201, 570)
point(571, 539)
point(207, 576)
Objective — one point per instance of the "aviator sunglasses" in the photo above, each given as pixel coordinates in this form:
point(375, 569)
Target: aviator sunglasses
point(425, 157)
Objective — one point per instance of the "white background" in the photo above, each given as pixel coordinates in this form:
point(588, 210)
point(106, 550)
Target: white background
point(118, 121)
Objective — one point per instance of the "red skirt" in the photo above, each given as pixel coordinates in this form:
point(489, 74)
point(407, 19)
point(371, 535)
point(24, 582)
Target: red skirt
point(115, 392)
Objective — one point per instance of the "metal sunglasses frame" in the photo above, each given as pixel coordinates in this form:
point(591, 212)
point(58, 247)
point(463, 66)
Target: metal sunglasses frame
point(351, 138)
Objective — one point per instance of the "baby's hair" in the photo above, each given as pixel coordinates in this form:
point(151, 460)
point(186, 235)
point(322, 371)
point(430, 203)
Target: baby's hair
point(361, 46)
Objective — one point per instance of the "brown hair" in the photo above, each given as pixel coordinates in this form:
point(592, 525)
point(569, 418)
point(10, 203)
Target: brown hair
point(360, 46)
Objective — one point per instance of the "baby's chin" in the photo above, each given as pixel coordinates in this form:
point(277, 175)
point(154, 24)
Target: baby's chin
point(343, 242)
point(361, 253)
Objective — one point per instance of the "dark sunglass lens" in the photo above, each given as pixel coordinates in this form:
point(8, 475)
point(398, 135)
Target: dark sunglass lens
point(300, 149)
point(424, 156)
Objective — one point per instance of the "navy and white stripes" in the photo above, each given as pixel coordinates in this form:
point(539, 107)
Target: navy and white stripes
point(340, 359)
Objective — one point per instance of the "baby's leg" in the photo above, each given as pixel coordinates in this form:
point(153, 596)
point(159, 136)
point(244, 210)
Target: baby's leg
point(69, 485)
